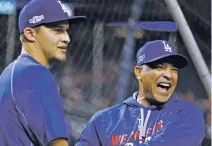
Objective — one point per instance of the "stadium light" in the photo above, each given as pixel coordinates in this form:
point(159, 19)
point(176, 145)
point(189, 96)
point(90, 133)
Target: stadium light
point(7, 7)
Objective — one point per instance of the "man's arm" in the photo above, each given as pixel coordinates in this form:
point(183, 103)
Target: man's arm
point(89, 136)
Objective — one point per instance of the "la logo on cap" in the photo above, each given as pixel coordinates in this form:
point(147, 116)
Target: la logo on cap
point(167, 48)
point(65, 8)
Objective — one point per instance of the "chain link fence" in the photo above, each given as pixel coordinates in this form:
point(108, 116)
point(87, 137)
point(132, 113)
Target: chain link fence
point(89, 78)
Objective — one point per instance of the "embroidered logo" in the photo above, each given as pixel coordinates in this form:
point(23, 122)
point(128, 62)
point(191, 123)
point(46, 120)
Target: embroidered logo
point(167, 48)
point(36, 19)
point(66, 8)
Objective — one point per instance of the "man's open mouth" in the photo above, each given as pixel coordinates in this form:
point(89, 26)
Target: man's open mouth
point(163, 87)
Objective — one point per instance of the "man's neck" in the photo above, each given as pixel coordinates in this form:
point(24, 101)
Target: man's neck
point(142, 100)
point(36, 54)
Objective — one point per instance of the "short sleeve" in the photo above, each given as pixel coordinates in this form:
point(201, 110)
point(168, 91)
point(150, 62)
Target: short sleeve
point(41, 105)
point(89, 136)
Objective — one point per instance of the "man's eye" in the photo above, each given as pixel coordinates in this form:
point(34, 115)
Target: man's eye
point(159, 67)
point(58, 30)
point(175, 69)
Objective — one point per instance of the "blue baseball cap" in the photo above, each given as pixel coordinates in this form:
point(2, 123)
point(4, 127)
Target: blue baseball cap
point(38, 12)
point(160, 50)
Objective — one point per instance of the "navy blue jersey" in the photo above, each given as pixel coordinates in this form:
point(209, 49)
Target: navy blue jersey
point(31, 111)
point(177, 123)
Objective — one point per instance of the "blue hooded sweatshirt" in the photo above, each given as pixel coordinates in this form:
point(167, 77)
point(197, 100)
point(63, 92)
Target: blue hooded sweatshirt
point(176, 123)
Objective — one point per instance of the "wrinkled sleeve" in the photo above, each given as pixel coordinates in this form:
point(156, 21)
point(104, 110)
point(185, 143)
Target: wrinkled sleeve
point(89, 136)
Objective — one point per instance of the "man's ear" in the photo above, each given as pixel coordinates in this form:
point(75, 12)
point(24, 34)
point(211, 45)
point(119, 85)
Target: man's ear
point(29, 34)
point(137, 71)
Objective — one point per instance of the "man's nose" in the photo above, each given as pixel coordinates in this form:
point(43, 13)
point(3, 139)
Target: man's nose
point(167, 74)
point(66, 38)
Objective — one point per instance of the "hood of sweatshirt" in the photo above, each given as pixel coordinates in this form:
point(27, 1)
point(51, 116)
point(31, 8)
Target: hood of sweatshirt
point(149, 117)
point(131, 124)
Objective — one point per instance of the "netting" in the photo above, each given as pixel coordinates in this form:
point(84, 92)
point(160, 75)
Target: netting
point(89, 79)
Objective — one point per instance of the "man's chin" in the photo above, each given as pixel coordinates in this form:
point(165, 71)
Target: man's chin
point(157, 102)
point(162, 98)
point(61, 58)
point(56, 62)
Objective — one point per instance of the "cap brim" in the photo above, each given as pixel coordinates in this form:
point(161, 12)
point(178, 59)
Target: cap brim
point(177, 60)
point(77, 19)
point(71, 20)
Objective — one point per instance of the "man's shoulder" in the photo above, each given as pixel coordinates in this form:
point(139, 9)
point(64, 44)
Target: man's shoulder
point(22, 72)
point(191, 108)
point(188, 104)
point(25, 67)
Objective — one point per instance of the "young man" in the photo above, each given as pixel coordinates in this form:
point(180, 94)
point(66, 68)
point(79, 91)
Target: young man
point(153, 116)
point(31, 109)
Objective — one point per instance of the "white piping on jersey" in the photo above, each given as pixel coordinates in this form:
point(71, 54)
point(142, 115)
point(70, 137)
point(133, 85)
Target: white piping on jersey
point(143, 123)
point(11, 81)
point(12, 94)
